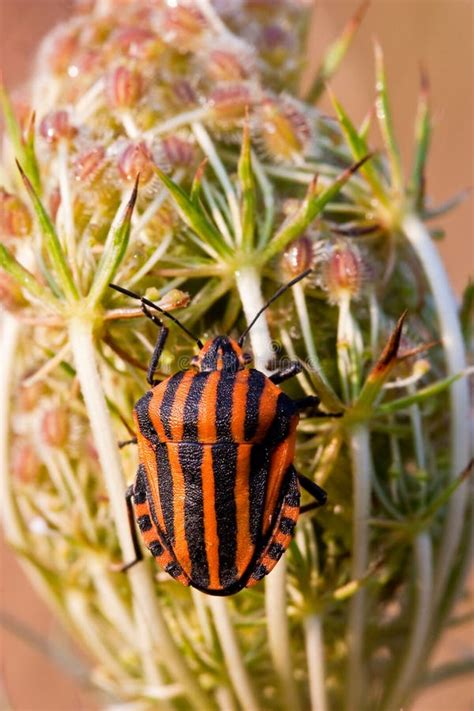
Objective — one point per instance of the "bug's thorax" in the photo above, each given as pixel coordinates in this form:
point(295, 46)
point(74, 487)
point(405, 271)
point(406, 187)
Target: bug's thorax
point(220, 353)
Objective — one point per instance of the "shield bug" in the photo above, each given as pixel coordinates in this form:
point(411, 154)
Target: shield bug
point(216, 496)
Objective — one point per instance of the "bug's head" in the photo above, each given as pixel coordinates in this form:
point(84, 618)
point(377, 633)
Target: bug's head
point(221, 353)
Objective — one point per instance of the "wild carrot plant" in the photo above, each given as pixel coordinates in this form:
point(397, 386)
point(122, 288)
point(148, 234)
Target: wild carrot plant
point(163, 146)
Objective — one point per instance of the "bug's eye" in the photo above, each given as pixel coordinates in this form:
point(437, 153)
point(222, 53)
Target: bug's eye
point(248, 358)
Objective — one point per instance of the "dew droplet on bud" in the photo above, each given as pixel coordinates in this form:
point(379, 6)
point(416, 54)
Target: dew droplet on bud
point(124, 87)
point(298, 257)
point(136, 159)
point(55, 126)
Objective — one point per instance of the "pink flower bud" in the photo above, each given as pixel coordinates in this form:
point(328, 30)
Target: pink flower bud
point(228, 104)
point(15, 219)
point(25, 462)
point(55, 427)
point(225, 66)
point(124, 88)
point(62, 51)
point(343, 272)
point(135, 159)
point(55, 126)
point(177, 152)
point(11, 295)
point(28, 396)
point(136, 42)
point(88, 164)
point(298, 257)
point(183, 26)
point(284, 129)
point(183, 92)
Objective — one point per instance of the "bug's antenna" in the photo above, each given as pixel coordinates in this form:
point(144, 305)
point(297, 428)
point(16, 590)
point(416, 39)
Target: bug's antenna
point(151, 305)
point(275, 296)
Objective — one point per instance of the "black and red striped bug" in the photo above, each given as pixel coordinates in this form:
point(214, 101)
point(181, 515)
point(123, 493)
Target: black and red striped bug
point(216, 496)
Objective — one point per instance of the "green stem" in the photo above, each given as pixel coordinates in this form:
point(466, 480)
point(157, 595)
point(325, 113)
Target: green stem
point(453, 345)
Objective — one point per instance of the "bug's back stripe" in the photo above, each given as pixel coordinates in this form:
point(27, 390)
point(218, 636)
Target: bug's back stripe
point(256, 384)
point(176, 420)
point(142, 417)
point(164, 492)
point(207, 410)
point(190, 457)
point(167, 402)
point(242, 501)
point(259, 467)
point(239, 406)
point(150, 482)
point(281, 458)
point(210, 523)
point(224, 462)
point(192, 405)
point(180, 544)
point(267, 410)
point(225, 393)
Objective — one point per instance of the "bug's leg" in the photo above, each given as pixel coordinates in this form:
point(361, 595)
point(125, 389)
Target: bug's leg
point(123, 567)
point(311, 402)
point(127, 442)
point(314, 490)
point(286, 373)
point(159, 345)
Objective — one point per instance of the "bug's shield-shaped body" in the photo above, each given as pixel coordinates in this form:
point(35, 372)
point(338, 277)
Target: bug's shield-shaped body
point(216, 497)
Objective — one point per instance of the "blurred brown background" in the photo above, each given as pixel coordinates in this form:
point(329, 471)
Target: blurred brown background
point(438, 33)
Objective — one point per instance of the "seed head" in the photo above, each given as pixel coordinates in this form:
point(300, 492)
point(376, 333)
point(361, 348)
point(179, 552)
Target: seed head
point(228, 104)
point(25, 462)
point(343, 272)
point(284, 129)
point(124, 88)
point(177, 152)
point(11, 296)
point(136, 159)
point(183, 26)
point(89, 164)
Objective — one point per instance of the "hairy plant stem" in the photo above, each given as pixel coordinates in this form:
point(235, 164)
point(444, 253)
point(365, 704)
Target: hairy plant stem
point(154, 627)
point(313, 626)
point(361, 461)
point(453, 345)
point(235, 664)
point(413, 658)
point(249, 287)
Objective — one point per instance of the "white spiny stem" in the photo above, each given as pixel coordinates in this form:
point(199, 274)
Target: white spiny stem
point(279, 634)
point(128, 122)
point(313, 626)
point(248, 286)
point(233, 656)
point(359, 445)
point(453, 345)
point(66, 207)
point(171, 124)
point(81, 336)
point(413, 657)
point(209, 149)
